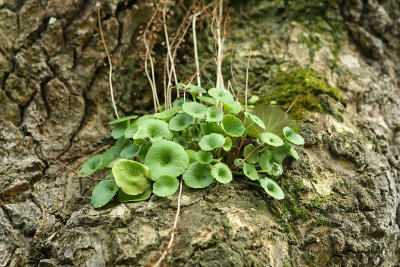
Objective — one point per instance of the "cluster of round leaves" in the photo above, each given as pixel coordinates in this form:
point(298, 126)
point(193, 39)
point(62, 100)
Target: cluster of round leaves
point(193, 141)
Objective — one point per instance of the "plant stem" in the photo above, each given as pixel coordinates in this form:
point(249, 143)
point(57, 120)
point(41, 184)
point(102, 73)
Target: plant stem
point(149, 57)
point(218, 152)
point(173, 227)
point(220, 41)
point(247, 88)
point(109, 63)
point(196, 56)
point(169, 55)
point(254, 150)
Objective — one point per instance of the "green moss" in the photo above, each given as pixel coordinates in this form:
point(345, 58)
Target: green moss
point(293, 209)
point(321, 222)
point(317, 201)
point(212, 241)
point(296, 211)
point(307, 85)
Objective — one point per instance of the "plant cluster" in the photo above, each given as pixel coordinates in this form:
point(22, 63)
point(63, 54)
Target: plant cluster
point(204, 136)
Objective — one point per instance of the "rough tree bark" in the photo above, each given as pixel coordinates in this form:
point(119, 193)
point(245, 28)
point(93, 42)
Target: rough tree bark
point(342, 205)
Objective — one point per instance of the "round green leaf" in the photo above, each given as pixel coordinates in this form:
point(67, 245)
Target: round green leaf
point(210, 128)
point(153, 129)
point(277, 170)
point(271, 139)
point(214, 115)
point(140, 120)
point(127, 118)
point(111, 155)
point(253, 157)
point(232, 126)
point(144, 150)
point(220, 95)
point(196, 110)
point(166, 158)
point(221, 173)
point(232, 107)
point(180, 122)
point(250, 171)
point(191, 88)
point(207, 99)
point(255, 119)
point(131, 176)
point(197, 176)
point(178, 102)
point(280, 153)
point(124, 197)
point(167, 114)
point(292, 136)
point(273, 117)
point(119, 129)
point(272, 188)
point(90, 166)
point(228, 144)
point(130, 151)
point(237, 161)
point(182, 141)
point(253, 99)
point(194, 89)
point(182, 86)
point(103, 192)
point(211, 141)
point(130, 131)
point(204, 157)
point(293, 153)
point(192, 155)
point(266, 161)
point(165, 186)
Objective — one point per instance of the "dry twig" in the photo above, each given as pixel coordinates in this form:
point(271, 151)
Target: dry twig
point(109, 63)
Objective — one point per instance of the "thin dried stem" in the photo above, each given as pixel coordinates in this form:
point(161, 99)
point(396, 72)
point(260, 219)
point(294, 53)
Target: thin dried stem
point(169, 55)
point(247, 87)
point(233, 77)
point(173, 227)
point(230, 88)
point(201, 70)
point(196, 56)
point(220, 41)
point(244, 160)
point(154, 82)
point(149, 57)
point(247, 84)
point(297, 97)
point(76, 172)
point(109, 63)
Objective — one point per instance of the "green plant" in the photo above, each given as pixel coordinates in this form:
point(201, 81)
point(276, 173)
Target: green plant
point(198, 142)
point(202, 136)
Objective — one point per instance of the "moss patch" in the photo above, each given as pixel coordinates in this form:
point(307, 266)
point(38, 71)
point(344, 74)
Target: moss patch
point(292, 207)
point(305, 83)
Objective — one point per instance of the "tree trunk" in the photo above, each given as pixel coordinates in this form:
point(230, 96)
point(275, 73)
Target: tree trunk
point(342, 195)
